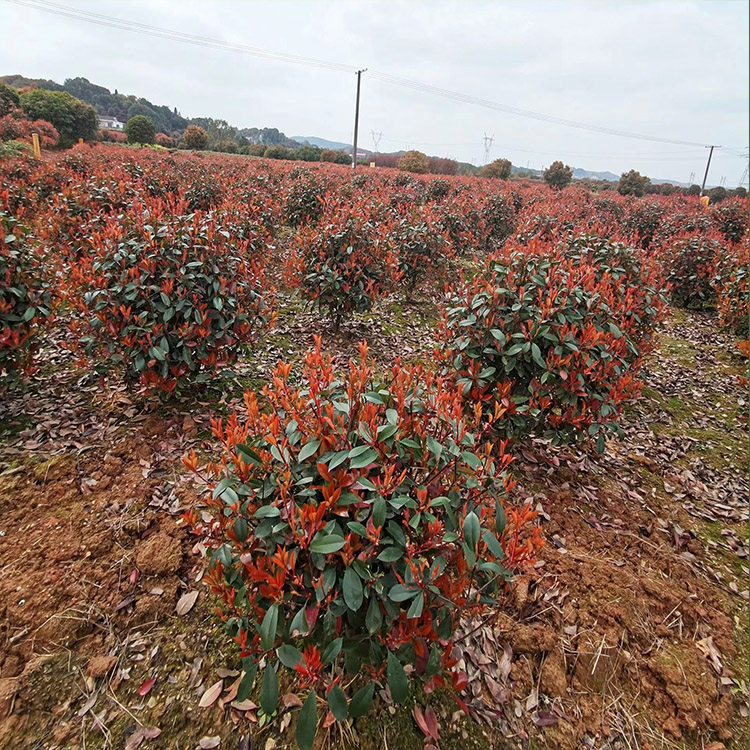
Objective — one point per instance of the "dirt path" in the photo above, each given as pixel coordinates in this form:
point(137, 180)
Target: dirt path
point(630, 632)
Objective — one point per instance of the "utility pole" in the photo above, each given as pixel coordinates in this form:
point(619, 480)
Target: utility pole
point(705, 176)
point(356, 119)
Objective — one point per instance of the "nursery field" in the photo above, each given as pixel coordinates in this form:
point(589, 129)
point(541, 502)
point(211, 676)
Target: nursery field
point(295, 457)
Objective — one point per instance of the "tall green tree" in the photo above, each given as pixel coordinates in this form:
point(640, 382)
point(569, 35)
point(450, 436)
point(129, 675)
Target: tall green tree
point(9, 99)
point(500, 168)
point(558, 175)
point(140, 129)
point(633, 183)
point(72, 118)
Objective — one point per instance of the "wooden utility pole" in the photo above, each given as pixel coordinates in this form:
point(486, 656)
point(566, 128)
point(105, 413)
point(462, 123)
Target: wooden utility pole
point(356, 119)
point(705, 176)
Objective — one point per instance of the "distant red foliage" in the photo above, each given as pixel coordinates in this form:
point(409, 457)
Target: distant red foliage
point(12, 128)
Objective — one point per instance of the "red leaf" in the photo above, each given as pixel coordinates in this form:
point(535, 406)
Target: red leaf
point(460, 680)
point(421, 723)
point(145, 689)
point(432, 723)
point(311, 614)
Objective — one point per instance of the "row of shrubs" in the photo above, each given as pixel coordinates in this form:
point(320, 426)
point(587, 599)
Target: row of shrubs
point(356, 516)
point(82, 226)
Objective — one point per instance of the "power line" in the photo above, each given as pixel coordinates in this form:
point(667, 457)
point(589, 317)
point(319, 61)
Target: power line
point(125, 25)
point(437, 91)
point(178, 36)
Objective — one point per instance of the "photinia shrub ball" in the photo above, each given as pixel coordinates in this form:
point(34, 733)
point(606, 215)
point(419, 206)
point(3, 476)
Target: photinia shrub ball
point(345, 261)
point(164, 296)
point(546, 338)
point(690, 263)
point(351, 521)
point(732, 289)
point(25, 297)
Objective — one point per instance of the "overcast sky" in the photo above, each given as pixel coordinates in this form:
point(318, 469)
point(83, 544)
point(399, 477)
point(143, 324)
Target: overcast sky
point(676, 70)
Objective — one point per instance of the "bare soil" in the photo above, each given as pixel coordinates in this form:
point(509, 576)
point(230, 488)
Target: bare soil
point(630, 632)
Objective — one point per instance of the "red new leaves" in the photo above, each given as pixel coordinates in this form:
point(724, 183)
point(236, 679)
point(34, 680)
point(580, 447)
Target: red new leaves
point(344, 261)
point(25, 299)
point(549, 337)
point(354, 519)
point(165, 295)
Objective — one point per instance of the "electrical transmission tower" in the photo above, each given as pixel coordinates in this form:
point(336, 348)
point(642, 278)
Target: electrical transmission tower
point(743, 179)
point(692, 177)
point(375, 140)
point(487, 146)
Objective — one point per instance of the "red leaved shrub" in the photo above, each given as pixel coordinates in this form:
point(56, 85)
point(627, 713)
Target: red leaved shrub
point(20, 129)
point(165, 296)
point(25, 299)
point(549, 336)
point(345, 261)
point(354, 519)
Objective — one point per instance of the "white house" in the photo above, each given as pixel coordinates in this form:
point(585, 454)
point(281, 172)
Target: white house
point(110, 123)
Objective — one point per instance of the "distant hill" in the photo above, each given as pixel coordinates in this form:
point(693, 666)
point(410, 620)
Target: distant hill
point(166, 119)
point(312, 140)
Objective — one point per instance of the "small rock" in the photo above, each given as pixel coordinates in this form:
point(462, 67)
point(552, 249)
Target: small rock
point(99, 666)
point(553, 679)
point(533, 639)
point(189, 427)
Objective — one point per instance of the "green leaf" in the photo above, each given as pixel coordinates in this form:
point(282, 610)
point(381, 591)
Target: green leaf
point(386, 431)
point(415, 610)
point(363, 459)
point(396, 676)
point(434, 447)
point(337, 703)
point(269, 690)
point(493, 545)
point(267, 511)
point(268, 627)
point(327, 543)
point(357, 528)
point(289, 655)
point(500, 519)
point(473, 461)
point(308, 449)
point(499, 335)
point(246, 683)
point(307, 722)
point(536, 355)
point(361, 700)
point(391, 554)
point(378, 512)
point(353, 592)
point(374, 617)
point(471, 530)
point(331, 651)
point(399, 593)
point(248, 455)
